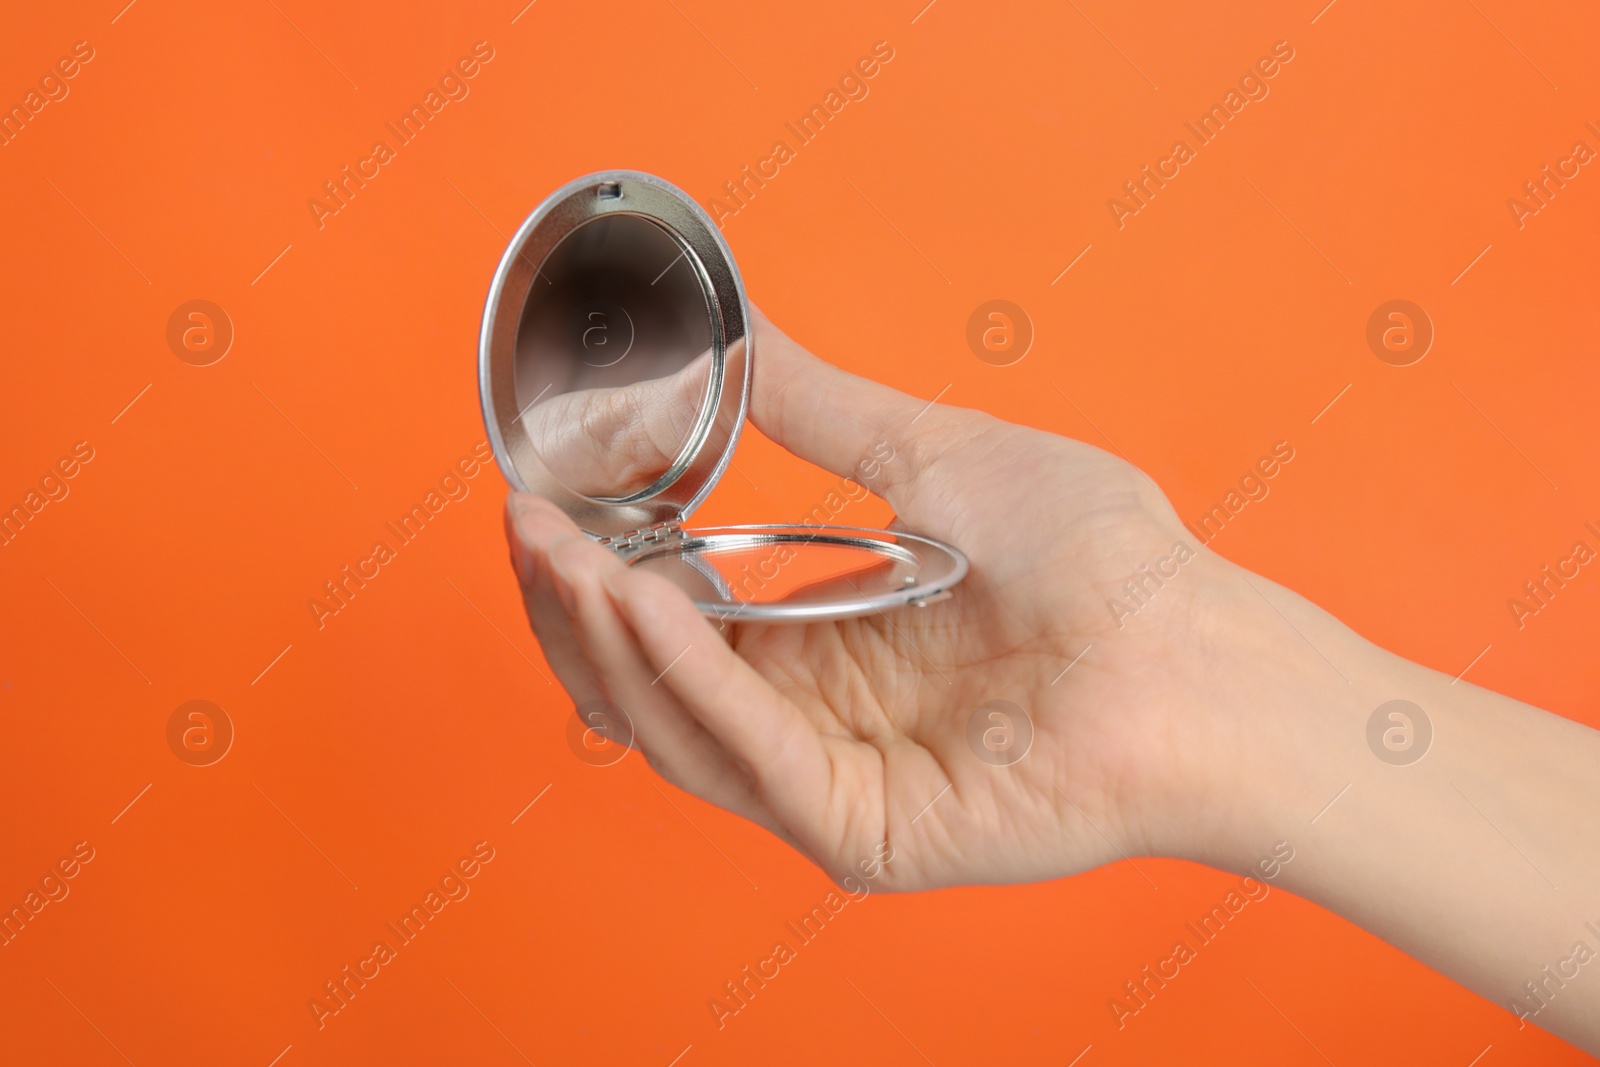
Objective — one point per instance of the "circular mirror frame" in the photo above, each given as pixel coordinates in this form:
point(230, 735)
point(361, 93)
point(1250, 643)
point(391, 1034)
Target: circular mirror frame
point(710, 448)
point(939, 566)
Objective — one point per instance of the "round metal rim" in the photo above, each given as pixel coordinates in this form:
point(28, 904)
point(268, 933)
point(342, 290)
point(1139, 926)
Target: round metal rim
point(577, 202)
point(942, 566)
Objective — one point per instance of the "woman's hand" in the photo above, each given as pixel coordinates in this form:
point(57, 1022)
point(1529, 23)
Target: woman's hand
point(1179, 706)
point(840, 736)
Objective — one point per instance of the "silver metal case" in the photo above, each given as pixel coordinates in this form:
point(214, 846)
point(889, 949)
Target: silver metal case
point(621, 261)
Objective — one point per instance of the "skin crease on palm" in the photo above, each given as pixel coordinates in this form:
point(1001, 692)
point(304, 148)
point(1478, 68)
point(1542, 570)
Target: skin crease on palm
point(1212, 724)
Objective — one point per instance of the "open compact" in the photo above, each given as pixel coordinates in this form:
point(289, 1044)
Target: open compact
point(614, 366)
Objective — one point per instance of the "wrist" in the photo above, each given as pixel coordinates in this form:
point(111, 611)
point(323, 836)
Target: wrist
point(1271, 698)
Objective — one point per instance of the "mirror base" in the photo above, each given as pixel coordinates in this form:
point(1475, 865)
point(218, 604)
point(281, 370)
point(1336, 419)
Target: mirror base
point(778, 573)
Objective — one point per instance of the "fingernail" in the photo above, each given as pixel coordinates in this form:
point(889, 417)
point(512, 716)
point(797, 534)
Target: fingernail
point(563, 583)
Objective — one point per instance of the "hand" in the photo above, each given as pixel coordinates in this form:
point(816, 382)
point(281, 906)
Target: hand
point(1221, 720)
point(840, 736)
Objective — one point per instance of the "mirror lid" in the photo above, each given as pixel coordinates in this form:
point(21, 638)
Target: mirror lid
point(709, 450)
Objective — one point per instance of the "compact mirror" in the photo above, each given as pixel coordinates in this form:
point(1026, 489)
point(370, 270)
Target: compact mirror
point(614, 366)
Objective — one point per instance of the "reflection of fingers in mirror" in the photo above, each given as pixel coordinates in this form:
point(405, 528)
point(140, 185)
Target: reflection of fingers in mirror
point(613, 357)
point(611, 442)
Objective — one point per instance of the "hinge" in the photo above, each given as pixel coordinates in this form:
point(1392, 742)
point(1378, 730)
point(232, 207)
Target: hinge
point(656, 533)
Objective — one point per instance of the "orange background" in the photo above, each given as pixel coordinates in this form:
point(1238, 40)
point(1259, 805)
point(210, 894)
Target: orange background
point(1222, 318)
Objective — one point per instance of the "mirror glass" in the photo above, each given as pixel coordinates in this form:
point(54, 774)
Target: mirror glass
point(613, 359)
point(749, 568)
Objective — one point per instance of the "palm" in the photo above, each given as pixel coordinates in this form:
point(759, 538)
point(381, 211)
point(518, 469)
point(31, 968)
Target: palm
point(893, 696)
point(842, 736)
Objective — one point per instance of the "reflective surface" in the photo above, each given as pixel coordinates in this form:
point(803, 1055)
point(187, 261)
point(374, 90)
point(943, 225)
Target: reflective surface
point(613, 358)
point(613, 361)
point(802, 572)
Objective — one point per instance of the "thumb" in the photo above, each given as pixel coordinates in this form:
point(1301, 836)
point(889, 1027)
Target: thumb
point(844, 423)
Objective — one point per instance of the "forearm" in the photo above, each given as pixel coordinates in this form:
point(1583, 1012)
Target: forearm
point(1481, 858)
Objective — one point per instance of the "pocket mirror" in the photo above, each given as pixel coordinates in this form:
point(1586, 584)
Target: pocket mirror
point(614, 368)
